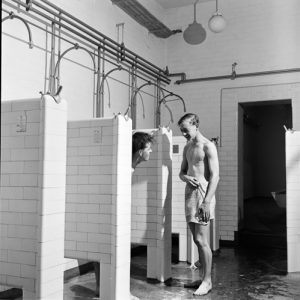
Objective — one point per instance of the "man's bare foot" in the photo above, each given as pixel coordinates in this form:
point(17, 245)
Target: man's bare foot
point(193, 284)
point(203, 289)
point(133, 297)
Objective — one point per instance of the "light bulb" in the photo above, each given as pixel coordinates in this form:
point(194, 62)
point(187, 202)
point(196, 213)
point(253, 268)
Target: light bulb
point(216, 23)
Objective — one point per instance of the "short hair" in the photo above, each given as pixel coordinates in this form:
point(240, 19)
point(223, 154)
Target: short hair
point(140, 140)
point(193, 118)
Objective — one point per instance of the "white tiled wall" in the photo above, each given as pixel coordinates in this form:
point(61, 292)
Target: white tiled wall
point(33, 151)
point(293, 199)
point(151, 206)
point(179, 224)
point(98, 210)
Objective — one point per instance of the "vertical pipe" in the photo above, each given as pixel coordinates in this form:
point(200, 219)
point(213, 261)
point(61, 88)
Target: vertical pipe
point(46, 61)
point(133, 99)
point(52, 62)
point(58, 53)
point(101, 106)
point(98, 96)
point(157, 111)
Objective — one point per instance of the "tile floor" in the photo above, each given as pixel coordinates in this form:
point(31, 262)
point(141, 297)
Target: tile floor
point(237, 274)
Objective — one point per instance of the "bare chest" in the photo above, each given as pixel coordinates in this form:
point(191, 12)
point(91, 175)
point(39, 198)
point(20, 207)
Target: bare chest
point(195, 154)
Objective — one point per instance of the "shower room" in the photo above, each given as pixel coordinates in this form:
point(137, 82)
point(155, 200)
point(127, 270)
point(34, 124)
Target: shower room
point(78, 79)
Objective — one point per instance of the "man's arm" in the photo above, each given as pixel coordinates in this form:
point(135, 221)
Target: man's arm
point(213, 163)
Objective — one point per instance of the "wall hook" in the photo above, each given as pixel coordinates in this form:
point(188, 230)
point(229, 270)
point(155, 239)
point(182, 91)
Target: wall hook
point(233, 73)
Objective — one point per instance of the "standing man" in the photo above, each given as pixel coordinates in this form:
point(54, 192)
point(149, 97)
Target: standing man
point(200, 171)
point(141, 149)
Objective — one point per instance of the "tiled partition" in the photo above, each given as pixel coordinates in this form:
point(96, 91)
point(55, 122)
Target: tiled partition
point(32, 206)
point(179, 224)
point(293, 199)
point(152, 208)
point(98, 210)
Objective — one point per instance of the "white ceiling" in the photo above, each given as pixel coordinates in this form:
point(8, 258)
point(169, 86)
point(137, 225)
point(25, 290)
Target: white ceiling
point(177, 3)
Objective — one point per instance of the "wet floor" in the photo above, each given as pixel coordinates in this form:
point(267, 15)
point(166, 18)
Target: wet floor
point(236, 274)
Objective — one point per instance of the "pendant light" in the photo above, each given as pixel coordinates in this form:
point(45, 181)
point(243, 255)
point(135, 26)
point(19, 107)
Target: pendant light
point(216, 23)
point(195, 33)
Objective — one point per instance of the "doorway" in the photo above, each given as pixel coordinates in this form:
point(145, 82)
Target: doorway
point(262, 207)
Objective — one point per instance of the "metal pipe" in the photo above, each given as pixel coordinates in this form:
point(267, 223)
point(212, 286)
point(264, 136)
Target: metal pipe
point(99, 33)
point(134, 96)
point(238, 75)
point(139, 93)
point(180, 98)
point(135, 59)
point(101, 90)
point(147, 72)
point(52, 62)
point(76, 47)
point(163, 100)
point(182, 75)
point(171, 114)
point(13, 16)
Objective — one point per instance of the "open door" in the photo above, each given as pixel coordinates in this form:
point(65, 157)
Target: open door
point(262, 166)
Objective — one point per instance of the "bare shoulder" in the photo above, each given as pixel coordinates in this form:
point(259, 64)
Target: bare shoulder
point(209, 147)
point(187, 146)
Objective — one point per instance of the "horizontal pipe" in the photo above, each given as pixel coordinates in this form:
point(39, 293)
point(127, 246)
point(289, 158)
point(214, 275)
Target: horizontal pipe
point(234, 76)
point(116, 46)
point(183, 75)
point(115, 51)
point(104, 40)
point(99, 33)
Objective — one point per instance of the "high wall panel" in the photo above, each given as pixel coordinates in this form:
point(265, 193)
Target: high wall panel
point(98, 210)
point(33, 159)
point(292, 194)
point(151, 205)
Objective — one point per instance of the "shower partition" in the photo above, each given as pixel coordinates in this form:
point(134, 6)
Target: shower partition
point(152, 207)
point(32, 206)
point(98, 199)
point(292, 144)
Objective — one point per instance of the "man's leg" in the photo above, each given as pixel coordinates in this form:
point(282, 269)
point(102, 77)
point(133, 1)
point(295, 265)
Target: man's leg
point(195, 283)
point(200, 236)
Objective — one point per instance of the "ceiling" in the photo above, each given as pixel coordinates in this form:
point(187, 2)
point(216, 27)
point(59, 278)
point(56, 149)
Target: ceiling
point(177, 3)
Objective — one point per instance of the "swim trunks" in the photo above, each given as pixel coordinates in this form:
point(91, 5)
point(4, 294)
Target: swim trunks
point(193, 199)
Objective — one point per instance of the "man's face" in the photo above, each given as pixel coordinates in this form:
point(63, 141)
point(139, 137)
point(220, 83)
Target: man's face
point(188, 130)
point(145, 154)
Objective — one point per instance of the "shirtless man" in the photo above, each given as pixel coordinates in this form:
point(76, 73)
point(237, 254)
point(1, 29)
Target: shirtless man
point(200, 171)
point(141, 149)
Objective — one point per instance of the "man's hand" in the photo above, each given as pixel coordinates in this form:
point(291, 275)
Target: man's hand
point(193, 181)
point(204, 212)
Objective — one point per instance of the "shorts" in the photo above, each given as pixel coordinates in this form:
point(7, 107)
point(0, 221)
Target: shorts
point(194, 197)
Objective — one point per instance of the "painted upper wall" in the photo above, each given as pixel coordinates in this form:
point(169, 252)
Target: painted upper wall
point(259, 36)
point(25, 71)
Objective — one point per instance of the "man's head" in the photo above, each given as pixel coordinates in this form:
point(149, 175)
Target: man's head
point(141, 145)
point(189, 124)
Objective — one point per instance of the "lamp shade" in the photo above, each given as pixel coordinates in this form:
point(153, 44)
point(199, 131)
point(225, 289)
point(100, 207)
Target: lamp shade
point(195, 34)
point(216, 23)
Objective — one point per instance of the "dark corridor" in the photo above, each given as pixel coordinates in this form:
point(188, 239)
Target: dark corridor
point(263, 210)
